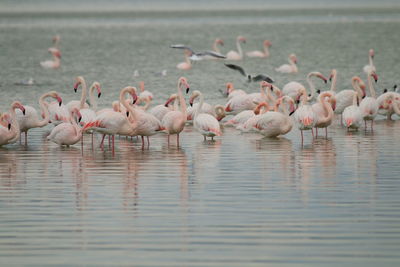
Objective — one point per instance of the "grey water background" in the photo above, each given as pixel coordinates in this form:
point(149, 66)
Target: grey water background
point(242, 200)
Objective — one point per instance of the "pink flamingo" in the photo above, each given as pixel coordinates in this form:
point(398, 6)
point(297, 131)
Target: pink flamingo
point(67, 133)
point(305, 116)
point(324, 114)
point(204, 123)
point(55, 63)
point(232, 92)
point(352, 117)
point(236, 55)
point(385, 108)
point(248, 125)
point(174, 121)
point(274, 123)
point(112, 122)
point(13, 133)
point(186, 65)
point(31, 118)
point(369, 105)
point(144, 94)
point(289, 68)
point(159, 111)
point(370, 67)
point(80, 104)
point(7, 132)
point(261, 54)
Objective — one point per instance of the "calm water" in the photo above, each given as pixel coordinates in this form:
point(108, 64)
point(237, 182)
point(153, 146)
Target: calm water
point(242, 200)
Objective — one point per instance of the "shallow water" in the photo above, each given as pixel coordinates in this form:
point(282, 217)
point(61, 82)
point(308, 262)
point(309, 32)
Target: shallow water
point(242, 200)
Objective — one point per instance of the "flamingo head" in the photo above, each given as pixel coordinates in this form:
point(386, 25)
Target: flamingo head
point(56, 38)
point(193, 96)
point(183, 82)
point(220, 112)
point(241, 39)
point(7, 118)
point(98, 88)
point(170, 99)
point(219, 41)
point(293, 58)
point(229, 88)
point(134, 95)
point(375, 76)
point(267, 43)
point(333, 74)
point(77, 83)
point(17, 104)
point(77, 113)
point(322, 77)
point(371, 53)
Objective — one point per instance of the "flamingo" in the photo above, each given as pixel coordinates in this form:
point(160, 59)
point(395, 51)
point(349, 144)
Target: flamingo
point(289, 68)
point(67, 133)
point(236, 55)
point(344, 98)
point(219, 112)
point(12, 124)
point(7, 132)
point(324, 111)
point(205, 124)
point(174, 121)
point(186, 65)
point(55, 63)
point(352, 117)
point(31, 118)
point(144, 124)
point(206, 108)
point(242, 117)
point(262, 54)
point(370, 67)
point(304, 117)
point(274, 123)
point(215, 45)
point(385, 108)
point(369, 105)
point(112, 122)
point(263, 95)
point(294, 89)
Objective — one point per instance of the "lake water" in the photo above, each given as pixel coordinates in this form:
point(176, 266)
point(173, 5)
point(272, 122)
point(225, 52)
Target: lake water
point(242, 200)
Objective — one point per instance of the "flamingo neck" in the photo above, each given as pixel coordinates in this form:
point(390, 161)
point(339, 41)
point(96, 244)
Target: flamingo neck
point(357, 89)
point(198, 109)
point(328, 110)
point(147, 105)
point(371, 86)
point(370, 60)
point(44, 109)
point(182, 101)
point(239, 48)
point(215, 47)
point(92, 98)
point(14, 124)
point(311, 85)
point(266, 51)
point(83, 94)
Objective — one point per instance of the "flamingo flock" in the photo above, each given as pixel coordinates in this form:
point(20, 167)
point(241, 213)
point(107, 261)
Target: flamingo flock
point(271, 112)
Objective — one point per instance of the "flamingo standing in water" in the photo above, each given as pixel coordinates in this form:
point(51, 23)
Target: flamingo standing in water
point(294, 89)
point(324, 111)
point(174, 121)
point(55, 63)
point(261, 54)
point(31, 118)
point(369, 105)
point(12, 124)
point(236, 55)
point(112, 122)
point(370, 67)
point(204, 123)
point(289, 68)
point(186, 65)
point(352, 117)
point(67, 133)
point(305, 116)
point(274, 123)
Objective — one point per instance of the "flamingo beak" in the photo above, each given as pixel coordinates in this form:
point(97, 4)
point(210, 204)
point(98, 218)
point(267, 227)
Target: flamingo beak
point(9, 126)
point(80, 118)
point(187, 90)
point(168, 102)
point(59, 101)
point(76, 87)
point(191, 102)
point(98, 95)
point(318, 91)
point(135, 98)
point(127, 113)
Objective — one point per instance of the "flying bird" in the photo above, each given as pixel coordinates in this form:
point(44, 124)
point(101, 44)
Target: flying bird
point(200, 55)
point(250, 78)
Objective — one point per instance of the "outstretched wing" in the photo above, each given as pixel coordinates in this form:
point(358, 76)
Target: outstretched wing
point(236, 67)
point(182, 46)
point(210, 53)
point(262, 77)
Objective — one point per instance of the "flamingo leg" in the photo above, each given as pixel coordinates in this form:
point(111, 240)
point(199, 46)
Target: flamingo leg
point(326, 132)
point(316, 132)
point(205, 138)
point(372, 125)
point(102, 141)
point(113, 140)
point(301, 131)
point(148, 142)
point(177, 139)
point(168, 139)
point(142, 142)
point(312, 131)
